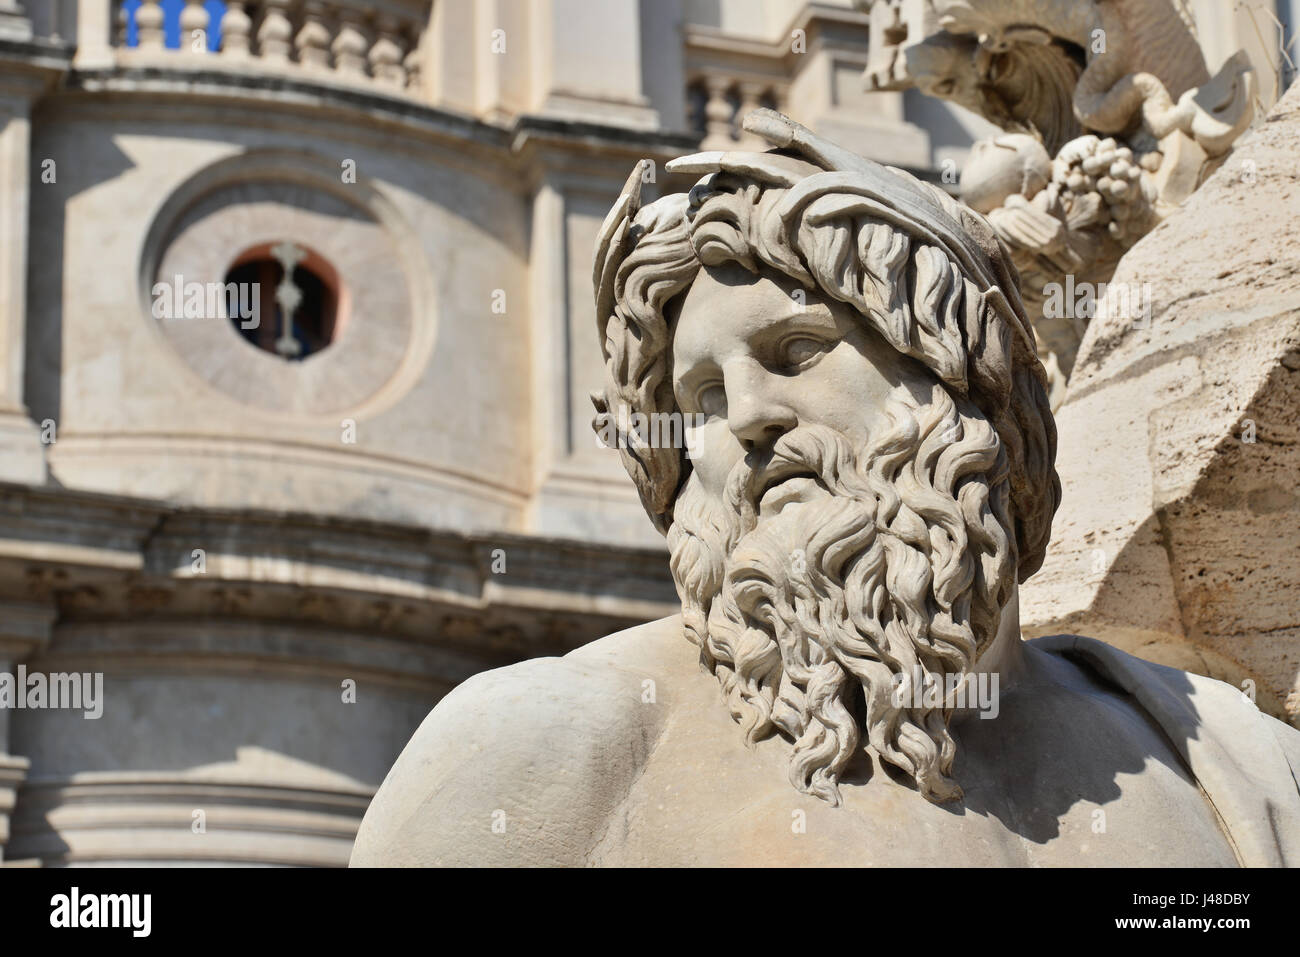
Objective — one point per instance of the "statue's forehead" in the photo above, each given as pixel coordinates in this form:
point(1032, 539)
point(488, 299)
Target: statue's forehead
point(729, 303)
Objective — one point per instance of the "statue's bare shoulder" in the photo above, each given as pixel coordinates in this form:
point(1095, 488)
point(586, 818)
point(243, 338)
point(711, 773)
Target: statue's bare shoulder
point(525, 764)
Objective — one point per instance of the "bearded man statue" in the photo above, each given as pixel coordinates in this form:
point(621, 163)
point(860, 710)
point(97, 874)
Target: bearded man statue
point(866, 479)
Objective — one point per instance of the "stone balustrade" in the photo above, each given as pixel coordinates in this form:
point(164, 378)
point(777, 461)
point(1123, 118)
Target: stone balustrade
point(717, 104)
point(728, 77)
point(363, 41)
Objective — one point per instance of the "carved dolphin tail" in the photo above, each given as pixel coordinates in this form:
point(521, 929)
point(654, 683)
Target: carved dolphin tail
point(1150, 55)
point(1219, 111)
point(1213, 114)
point(1150, 62)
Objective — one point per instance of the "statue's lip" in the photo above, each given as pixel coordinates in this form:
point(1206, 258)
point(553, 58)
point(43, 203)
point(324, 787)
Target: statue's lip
point(779, 475)
point(796, 489)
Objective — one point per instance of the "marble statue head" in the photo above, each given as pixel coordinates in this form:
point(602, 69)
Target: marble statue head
point(1013, 164)
point(871, 450)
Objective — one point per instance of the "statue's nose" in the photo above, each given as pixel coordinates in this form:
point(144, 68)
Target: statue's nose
point(757, 412)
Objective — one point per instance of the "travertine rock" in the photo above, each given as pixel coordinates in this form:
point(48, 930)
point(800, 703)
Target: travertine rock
point(1180, 441)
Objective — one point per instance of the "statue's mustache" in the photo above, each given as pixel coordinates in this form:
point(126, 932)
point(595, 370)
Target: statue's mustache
point(817, 451)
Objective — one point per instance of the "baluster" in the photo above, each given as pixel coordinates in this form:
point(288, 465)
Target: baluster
point(194, 17)
point(751, 98)
point(236, 26)
point(149, 25)
point(288, 297)
point(351, 43)
point(718, 114)
point(275, 34)
point(313, 40)
point(121, 20)
point(414, 81)
point(387, 53)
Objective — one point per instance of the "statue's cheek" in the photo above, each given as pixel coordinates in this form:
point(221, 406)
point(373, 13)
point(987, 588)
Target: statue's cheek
point(713, 452)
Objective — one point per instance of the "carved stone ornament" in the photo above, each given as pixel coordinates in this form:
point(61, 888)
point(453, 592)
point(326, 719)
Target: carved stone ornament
point(866, 473)
point(1113, 120)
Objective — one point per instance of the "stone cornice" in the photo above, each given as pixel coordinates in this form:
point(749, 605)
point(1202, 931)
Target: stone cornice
point(284, 92)
point(126, 578)
point(36, 53)
point(279, 93)
point(28, 68)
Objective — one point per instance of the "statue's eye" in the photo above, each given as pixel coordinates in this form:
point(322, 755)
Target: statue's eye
point(712, 400)
point(800, 349)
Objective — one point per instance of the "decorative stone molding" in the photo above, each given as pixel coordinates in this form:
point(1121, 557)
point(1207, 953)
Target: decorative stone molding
point(87, 557)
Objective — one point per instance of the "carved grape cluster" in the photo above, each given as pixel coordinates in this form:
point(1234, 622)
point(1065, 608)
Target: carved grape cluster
point(1091, 167)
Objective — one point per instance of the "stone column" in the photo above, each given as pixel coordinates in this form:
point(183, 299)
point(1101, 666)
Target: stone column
point(22, 457)
point(96, 27)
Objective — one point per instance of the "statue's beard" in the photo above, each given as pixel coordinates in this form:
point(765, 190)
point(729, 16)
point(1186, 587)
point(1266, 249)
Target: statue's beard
point(899, 567)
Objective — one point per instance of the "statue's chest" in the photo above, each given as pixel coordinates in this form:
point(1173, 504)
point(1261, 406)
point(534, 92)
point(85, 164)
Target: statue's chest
point(704, 799)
